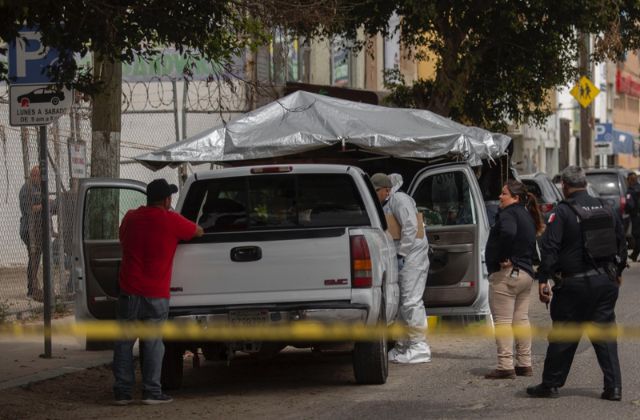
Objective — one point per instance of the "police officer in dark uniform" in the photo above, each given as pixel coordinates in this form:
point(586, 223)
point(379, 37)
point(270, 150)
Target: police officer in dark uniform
point(586, 291)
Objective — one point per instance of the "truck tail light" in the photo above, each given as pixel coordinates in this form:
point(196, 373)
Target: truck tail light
point(360, 263)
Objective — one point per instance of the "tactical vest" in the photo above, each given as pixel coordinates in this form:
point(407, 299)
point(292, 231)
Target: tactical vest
point(598, 231)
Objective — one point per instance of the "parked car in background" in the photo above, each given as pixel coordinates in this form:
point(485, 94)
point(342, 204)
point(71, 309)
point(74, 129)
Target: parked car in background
point(611, 185)
point(546, 192)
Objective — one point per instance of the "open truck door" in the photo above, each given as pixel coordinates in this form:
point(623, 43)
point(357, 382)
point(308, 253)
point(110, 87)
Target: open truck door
point(457, 227)
point(101, 205)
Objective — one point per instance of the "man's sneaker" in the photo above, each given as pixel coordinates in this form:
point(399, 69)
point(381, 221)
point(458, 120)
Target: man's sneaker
point(122, 400)
point(157, 399)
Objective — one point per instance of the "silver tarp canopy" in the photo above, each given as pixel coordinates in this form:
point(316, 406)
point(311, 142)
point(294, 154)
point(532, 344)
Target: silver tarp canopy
point(303, 121)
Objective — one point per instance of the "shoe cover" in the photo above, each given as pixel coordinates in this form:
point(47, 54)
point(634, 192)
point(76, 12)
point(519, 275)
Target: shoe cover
point(401, 346)
point(395, 353)
point(416, 353)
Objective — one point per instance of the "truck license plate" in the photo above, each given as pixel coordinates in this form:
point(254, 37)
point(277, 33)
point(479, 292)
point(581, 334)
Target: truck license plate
point(249, 317)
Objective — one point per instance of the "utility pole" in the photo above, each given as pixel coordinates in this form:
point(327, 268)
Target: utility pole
point(586, 114)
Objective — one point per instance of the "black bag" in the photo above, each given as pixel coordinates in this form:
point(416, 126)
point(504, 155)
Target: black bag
point(598, 232)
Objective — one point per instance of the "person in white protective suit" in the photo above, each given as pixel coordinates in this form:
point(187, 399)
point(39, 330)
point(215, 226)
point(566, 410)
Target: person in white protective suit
point(413, 266)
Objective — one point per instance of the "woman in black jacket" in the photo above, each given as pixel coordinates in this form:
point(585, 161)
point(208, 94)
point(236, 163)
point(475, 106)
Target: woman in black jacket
point(509, 255)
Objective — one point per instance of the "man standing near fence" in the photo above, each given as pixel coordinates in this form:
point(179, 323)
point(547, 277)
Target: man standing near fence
point(31, 229)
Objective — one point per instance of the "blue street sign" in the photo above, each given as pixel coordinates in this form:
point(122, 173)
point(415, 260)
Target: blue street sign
point(29, 59)
point(604, 132)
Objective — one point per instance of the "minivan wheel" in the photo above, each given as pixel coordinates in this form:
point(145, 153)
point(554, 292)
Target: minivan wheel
point(370, 359)
point(172, 366)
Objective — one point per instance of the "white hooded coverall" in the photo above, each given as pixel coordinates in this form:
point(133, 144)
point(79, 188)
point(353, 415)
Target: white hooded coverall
point(412, 278)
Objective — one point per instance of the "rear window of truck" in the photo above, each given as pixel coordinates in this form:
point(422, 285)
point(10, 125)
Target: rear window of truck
point(275, 201)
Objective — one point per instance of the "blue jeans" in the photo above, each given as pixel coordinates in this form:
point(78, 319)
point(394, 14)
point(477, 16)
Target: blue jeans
point(139, 308)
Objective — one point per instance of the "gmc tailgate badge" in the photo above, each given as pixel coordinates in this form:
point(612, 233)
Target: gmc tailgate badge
point(336, 282)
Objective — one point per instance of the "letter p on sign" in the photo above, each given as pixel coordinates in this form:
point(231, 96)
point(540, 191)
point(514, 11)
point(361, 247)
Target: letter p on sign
point(28, 48)
point(29, 59)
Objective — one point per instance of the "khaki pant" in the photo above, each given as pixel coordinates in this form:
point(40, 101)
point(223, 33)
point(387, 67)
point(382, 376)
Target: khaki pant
point(509, 302)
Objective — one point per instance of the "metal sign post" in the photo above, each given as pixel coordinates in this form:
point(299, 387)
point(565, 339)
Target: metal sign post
point(36, 101)
point(46, 239)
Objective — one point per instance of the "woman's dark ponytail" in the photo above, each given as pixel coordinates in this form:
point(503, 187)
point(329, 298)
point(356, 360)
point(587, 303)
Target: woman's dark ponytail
point(518, 189)
point(534, 211)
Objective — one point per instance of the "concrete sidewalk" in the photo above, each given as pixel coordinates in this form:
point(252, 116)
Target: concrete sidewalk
point(21, 361)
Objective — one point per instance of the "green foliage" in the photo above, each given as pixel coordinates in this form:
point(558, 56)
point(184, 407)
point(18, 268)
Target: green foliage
point(123, 30)
point(495, 61)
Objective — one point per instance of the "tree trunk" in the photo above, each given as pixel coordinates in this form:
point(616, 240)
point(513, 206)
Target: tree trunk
point(105, 146)
point(106, 119)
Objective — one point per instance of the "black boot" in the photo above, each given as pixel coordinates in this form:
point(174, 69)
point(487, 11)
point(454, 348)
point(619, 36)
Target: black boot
point(543, 391)
point(612, 394)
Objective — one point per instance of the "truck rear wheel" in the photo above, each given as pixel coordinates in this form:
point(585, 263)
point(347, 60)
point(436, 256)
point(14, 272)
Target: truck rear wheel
point(370, 359)
point(172, 366)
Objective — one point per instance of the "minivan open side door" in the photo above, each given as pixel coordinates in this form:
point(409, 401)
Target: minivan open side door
point(457, 227)
point(101, 205)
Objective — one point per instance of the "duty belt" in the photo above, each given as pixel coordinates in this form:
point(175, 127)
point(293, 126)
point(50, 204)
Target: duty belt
point(592, 272)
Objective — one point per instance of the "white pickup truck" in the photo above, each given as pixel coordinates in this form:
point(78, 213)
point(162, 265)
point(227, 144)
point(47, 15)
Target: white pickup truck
point(281, 244)
point(286, 242)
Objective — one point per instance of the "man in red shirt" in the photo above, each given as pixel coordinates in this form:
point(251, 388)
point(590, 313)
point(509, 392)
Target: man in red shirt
point(149, 236)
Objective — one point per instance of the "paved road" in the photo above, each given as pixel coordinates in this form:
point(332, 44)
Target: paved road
point(302, 384)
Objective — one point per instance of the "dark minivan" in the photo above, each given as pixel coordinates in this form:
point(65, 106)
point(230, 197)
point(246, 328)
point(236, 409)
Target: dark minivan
point(611, 185)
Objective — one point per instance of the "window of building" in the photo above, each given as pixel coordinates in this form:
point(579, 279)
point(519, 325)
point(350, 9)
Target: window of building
point(286, 64)
point(341, 63)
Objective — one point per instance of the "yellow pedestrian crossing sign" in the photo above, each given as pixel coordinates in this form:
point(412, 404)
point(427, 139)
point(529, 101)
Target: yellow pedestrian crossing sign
point(584, 91)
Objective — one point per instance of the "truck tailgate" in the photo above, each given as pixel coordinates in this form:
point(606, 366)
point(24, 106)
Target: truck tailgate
point(276, 271)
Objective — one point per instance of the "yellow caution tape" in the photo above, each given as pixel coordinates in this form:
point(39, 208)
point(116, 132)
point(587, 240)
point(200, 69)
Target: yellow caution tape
point(308, 331)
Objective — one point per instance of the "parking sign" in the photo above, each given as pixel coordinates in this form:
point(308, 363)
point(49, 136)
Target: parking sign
point(33, 98)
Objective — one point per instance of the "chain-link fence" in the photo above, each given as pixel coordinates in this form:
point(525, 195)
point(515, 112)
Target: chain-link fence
point(21, 246)
point(155, 114)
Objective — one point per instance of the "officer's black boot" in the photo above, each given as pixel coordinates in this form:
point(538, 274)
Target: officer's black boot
point(543, 391)
point(612, 394)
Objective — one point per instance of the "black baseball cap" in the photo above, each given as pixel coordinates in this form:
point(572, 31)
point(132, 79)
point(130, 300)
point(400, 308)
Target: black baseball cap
point(159, 189)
